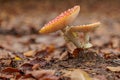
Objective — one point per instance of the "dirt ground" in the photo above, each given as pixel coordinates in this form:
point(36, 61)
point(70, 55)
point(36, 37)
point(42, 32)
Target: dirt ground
point(24, 52)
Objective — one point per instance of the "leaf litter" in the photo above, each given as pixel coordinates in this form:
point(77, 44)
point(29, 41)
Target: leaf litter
point(25, 55)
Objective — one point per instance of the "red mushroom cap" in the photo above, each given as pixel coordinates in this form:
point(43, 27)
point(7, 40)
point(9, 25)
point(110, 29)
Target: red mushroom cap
point(61, 21)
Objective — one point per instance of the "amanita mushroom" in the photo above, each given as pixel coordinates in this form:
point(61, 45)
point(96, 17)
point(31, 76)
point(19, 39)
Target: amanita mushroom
point(61, 22)
point(85, 29)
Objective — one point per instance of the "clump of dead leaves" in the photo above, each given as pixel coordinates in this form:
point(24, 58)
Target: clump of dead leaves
point(42, 74)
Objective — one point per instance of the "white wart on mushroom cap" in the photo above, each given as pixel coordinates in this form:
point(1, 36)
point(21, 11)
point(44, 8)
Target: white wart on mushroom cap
point(61, 21)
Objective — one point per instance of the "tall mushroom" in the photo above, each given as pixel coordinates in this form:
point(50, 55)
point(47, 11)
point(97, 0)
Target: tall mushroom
point(61, 22)
point(85, 29)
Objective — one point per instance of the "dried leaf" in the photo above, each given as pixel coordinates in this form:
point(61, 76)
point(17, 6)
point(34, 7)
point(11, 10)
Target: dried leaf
point(100, 77)
point(35, 66)
point(75, 52)
point(30, 53)
point(70, 47)
point(64, 55)
point(10, 70)
point(26, 66)
point(17, 58)
point(42, 62)
point(77, 74)
point(44, 74)
point(4, 54)
point(50, 48)
point(114, 69)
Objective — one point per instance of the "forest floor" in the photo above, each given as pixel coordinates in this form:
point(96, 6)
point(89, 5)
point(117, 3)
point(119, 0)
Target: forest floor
point(27, 55)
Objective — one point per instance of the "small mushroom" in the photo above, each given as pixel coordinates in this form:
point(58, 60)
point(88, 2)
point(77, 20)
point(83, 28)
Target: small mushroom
point(61, 22)
point(85, 29)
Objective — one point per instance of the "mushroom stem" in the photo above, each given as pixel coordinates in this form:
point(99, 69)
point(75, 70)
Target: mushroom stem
point(72, 37)
point(87, 38)
point(87, 44)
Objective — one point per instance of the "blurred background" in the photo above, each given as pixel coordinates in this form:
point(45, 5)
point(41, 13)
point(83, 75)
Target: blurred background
point(29, 16)
point(26, 17)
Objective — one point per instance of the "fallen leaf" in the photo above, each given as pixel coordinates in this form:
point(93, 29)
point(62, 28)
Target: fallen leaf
point(4, 54)
point(75, 52)
point(64, 55)
point(115, 42)
point(114, 69)
point(100, 77)
point(117, 61)
point(77, 74)
point(10, 70)
point(42, 62)
point(26, 66)
point(35, 66)
point(29, 53)
point(70, 47)
point(50, 48)
point(44, 74)
point(17, 58)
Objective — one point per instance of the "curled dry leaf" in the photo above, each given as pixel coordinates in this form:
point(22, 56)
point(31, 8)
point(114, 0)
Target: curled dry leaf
point(114, 69)
point(30, 53)
point(77, 74)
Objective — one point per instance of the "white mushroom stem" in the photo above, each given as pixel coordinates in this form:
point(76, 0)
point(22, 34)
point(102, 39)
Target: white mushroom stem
point(71, 37)
point(87, 44)
point(87, 38)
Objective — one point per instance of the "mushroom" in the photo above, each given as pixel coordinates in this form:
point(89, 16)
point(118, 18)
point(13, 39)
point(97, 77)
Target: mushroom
point(61, 22)
point(85, 29)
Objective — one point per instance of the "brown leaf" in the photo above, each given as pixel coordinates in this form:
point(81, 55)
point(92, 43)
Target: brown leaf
point(70, 47)
point(35, 66)
point(115, 42)
point(110, 53)
point(30, 53)
point(114, 69)
point(6, 62)
point(42, 62)
point(77, 74)
point(41, 53)
point(75, 52)
point(10, 70)
point(26, 66)
point(64, 55)
point(100, 77)
point(4, 54)
point(44, 75)
point(5, 76)
point(50, 48)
